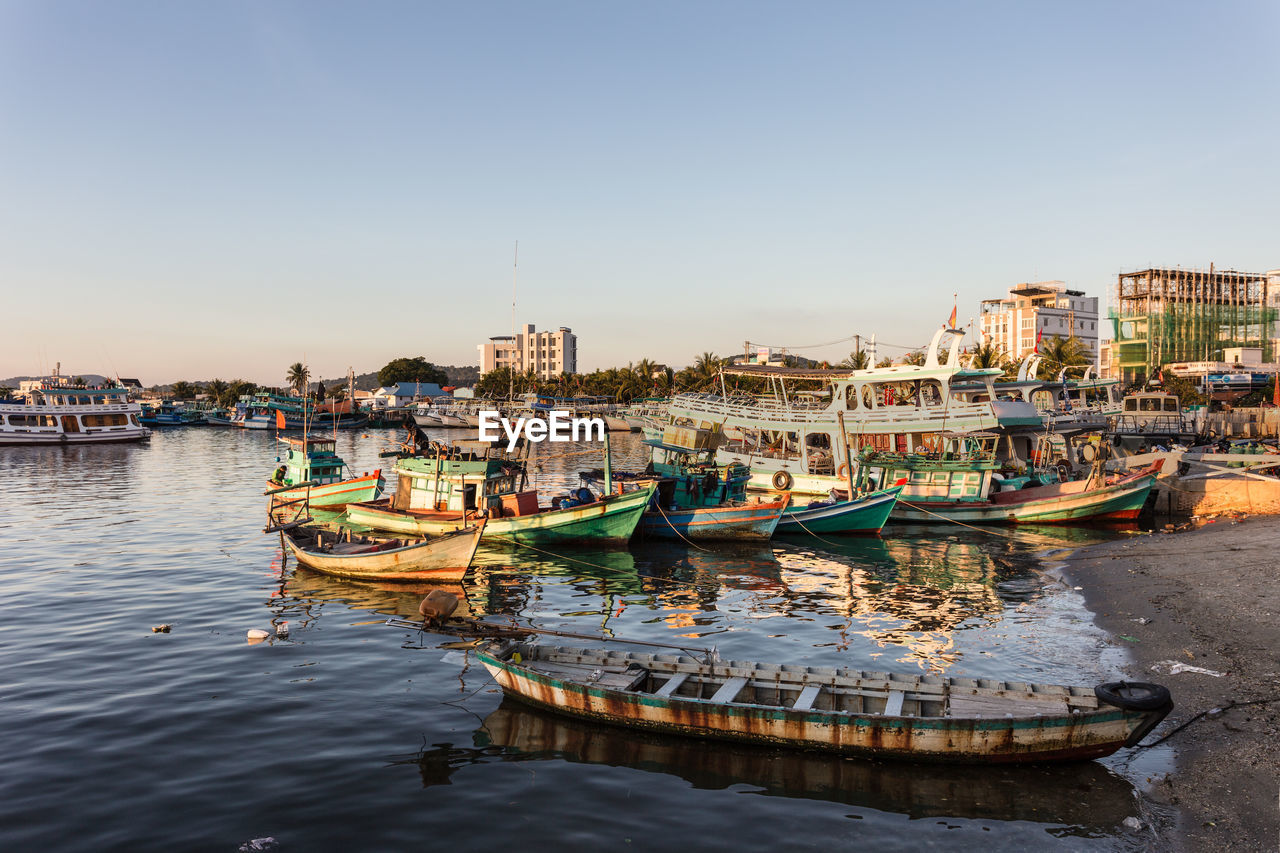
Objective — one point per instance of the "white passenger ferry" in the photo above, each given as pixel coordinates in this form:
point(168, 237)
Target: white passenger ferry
point(54, 414)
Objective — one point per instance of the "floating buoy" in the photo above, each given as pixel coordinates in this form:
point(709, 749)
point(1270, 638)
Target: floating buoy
point(438, 605)
point(258, 634)
point(160, 629)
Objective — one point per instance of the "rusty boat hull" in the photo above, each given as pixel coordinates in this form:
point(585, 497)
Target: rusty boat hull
point(874, 714)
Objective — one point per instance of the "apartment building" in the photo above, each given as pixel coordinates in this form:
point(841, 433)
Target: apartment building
point(548, 353)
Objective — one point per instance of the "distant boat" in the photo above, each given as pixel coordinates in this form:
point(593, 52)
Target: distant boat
point(873, 714)
point(59, 414)
point(315, 461)
point(347, 555)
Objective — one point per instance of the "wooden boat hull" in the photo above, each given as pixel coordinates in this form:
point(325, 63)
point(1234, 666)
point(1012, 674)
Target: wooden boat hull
point(747, 522)
point(366, 488)
point(1121, 501)
point(445, 558)
point(601, 685)
point(612, 519)
point(867, 515)
point(379, 515)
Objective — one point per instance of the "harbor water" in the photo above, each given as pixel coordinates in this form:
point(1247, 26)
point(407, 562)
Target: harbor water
point(343, 733)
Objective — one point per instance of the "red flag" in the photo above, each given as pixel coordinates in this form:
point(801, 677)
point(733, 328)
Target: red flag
point(279, 419)
point(1275, 395)
point(1039, 335)
point(952, 322)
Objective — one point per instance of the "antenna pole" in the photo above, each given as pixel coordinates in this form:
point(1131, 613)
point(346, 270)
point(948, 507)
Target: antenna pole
point(511, 369)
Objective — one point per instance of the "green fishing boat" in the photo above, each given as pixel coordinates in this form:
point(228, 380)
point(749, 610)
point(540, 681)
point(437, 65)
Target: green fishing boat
point(474, 479)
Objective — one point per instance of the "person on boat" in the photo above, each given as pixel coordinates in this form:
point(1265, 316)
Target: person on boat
point(279, 476)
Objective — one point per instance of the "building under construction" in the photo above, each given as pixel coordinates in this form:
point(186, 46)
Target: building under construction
point(1173, 315)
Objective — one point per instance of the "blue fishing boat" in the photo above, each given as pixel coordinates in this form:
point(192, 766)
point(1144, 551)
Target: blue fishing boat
point(697, 499)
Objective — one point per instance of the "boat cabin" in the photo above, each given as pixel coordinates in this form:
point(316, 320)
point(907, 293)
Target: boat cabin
point(688, 476)
point(310, 459)
point(472, 475)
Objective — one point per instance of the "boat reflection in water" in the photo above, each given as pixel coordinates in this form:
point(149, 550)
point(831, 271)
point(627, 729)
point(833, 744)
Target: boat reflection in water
point(1098, 800)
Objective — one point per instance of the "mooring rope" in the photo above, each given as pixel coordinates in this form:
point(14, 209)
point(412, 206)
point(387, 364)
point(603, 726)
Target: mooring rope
point(677, 532)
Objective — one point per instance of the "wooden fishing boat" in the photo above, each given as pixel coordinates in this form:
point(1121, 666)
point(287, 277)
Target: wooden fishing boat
point(469, 479)
point(346, 555)
point(862, 515)
point(876, 714)
point(699, 499)
point(315, 461)
point(517, 517)
point(727, 522)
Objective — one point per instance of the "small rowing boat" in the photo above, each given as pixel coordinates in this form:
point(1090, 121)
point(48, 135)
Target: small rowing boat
point(879, 714)
point(345, 555)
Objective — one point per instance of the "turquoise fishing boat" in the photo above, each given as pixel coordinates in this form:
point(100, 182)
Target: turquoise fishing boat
point(699, 500)
point(312, 471)
point(864, 515)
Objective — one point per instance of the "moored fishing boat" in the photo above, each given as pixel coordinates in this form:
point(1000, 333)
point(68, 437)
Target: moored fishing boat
point(699, 500)
point(470, 479)
point(312, 472)
point(345, 555)
point(865, 514)
point(876, 714)
point(62, 414)
point(961, 481)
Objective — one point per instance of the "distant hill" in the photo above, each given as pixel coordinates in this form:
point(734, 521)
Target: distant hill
point(89, 378)
point(459, 376)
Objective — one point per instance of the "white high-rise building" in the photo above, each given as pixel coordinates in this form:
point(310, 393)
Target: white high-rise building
point(1040, 309)
point(548, 353)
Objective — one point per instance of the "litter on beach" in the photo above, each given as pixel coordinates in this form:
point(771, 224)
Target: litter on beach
point(1171, 667)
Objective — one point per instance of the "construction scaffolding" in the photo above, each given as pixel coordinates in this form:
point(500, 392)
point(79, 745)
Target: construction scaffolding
point(1161, 316)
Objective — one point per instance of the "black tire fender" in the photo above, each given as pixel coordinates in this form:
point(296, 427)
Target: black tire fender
point(782, 480)
point(1134, 695)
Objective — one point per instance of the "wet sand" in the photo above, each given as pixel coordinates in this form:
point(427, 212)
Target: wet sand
point(1209, 598)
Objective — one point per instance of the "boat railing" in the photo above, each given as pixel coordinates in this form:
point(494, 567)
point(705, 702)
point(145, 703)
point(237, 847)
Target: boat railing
point(1142, 423)
point(711, 407)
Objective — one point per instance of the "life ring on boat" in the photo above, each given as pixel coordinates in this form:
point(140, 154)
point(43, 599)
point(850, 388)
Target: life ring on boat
point(843, 471)
point(1133, 695)
point(781, 480)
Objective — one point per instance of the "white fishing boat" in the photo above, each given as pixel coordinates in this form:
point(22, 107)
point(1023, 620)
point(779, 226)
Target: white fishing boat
point(59, 414)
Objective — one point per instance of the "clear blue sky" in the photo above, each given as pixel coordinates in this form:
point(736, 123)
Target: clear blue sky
point(200, 189)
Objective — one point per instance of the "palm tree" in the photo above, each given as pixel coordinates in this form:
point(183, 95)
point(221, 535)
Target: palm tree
point(916, 357)
point(298, 377)
point(988, 355)
point(885, 362)
point(1059, 352)
point(706, 368)
point(216, 389)
point(857, 360)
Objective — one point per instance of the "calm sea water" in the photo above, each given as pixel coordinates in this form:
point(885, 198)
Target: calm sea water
point(352, 735)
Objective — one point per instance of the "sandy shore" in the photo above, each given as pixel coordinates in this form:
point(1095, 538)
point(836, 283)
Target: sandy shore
point(1208, 598)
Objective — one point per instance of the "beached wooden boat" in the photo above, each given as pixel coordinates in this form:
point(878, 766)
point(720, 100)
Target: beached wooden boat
point(878, 714)
point(1113, 498)
point(346, 555)
point(863, 515)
